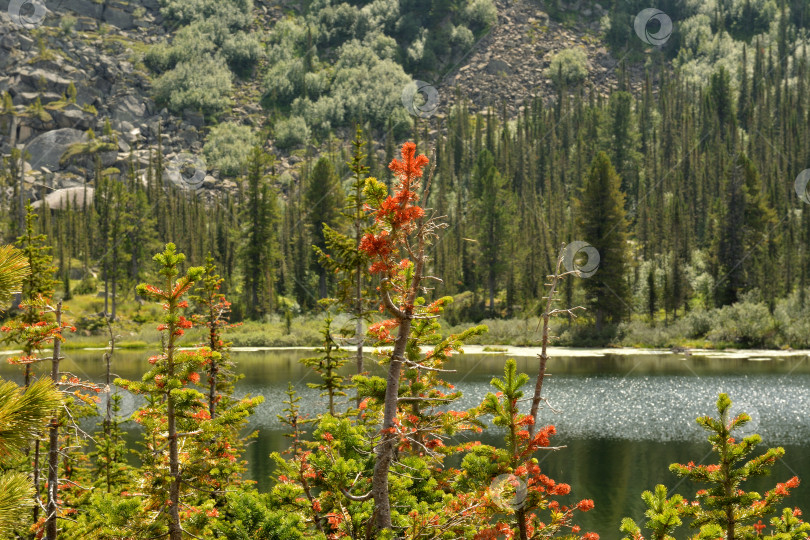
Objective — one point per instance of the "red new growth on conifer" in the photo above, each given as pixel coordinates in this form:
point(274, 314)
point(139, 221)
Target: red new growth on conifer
point(397, 214)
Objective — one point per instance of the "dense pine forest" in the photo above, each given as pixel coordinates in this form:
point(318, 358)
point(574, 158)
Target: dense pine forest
point(356, 191)
point(689, 190)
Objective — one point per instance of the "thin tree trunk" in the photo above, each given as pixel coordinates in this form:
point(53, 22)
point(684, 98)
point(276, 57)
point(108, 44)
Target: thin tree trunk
point(212, 388)
point(36, 454)
point(106, 295)
point(213, 369)
point(108, 415)
point(543, 356)
point(358, 312)
point(322, 284)
point(21, 172)
point(175, 531)
point(53, 450)
point(385, 450)
point(491, 283)
point(36, 481)
point(114, 283)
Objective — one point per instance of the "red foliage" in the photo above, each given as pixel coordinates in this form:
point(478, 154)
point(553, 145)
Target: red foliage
point(397, 214)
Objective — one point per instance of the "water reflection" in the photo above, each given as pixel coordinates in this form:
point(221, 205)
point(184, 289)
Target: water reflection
point(624, 417)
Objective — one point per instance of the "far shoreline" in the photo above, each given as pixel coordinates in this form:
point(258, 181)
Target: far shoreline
point(758, 354)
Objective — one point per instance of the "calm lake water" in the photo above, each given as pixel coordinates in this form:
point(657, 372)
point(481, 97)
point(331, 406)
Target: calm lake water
point(624, 415)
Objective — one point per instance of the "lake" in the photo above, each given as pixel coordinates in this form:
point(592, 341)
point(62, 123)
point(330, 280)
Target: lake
point(624, 414)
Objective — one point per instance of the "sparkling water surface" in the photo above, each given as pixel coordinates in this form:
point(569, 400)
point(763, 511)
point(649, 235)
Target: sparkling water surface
point(623, 415)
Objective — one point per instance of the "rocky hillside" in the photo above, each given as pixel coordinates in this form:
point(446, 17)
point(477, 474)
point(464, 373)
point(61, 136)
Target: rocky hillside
point(507, 66)
point(77, 65)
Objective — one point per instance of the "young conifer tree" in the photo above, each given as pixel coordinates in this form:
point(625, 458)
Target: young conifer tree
point(214, 310)
point(344, 255)
point(521, 488)
point(397, 246)
point(327, 364)
point(724, 509)
point(184, 486)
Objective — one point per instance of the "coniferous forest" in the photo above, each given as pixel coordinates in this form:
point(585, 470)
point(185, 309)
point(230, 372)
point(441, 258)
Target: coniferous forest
point(282, 176)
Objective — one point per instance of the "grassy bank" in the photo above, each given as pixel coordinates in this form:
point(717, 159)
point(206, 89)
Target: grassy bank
point(746, 324)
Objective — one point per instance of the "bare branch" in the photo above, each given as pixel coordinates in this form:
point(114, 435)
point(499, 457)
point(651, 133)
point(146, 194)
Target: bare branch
point(421, 366)
point(356, 498)
point(416, 398)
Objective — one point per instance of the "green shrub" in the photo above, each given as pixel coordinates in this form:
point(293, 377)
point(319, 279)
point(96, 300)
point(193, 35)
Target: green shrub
point(637, 333)
point(291, 132)
point(228, 146)
point(66, 24)
point(88, 285)
point(316, 84)
point(232, 13)
point(252, 515)
point(480, 14)
point(340, 23)
point(792, 318)
point(385, 47)
point(367, 87)
point(568, 67)
point(382, 15)
point(747, 323)
point(284, 81)
point(698, 323)
point(203, 85)
point(321, 115)
point(189, 43)
point(462, 37)
point(242, 51)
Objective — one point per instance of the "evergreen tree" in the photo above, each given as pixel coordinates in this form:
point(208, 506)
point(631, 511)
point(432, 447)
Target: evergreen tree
point(22, 413)
point(327, 365)
point(602, 223)
point(260, 252)
point(344, 255)
point(493, 207)
point(215, 309)
point(40, 280)
point(175, 417)
point(323, 199)
point(624, 137)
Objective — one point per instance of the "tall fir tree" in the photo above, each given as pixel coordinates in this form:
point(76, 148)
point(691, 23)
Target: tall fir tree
point(602, 223)
point(324, 199)
point(260, 252)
